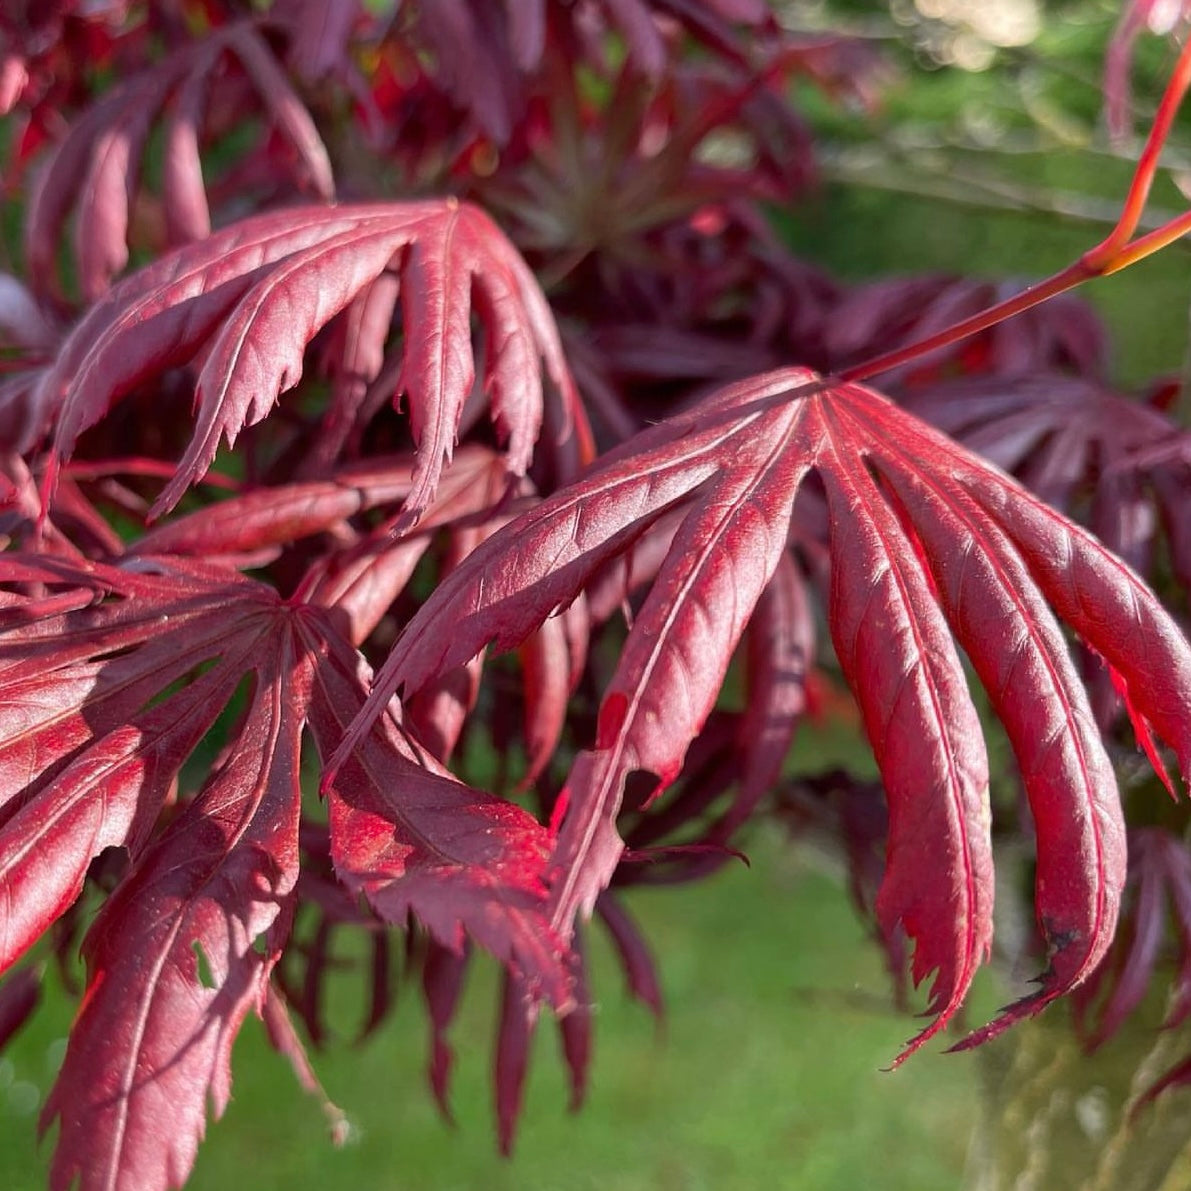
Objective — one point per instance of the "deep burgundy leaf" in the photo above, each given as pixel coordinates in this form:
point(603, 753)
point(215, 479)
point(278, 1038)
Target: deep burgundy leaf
point(1061, 336)
point(20, 994)
point(1125, 975)
point(1114, 463)
point(443, 972)
point(633, 951)
point(549, 669)
point(104, 148)
point(364, 580)
point(514, 1033)
point(780, 650)
point(355, 361)
point(481, 52)
point(438, 713)
point(575, 1031)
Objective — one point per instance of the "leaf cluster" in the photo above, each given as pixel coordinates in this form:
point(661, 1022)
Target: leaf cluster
point(424, 381)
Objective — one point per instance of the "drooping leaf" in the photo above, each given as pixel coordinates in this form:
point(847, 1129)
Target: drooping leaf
point(174, 963)
point(926, 541)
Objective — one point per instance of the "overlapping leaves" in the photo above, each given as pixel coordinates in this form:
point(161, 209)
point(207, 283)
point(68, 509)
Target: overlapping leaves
point(117, 676)
point(96, 169)
point(930, 549)
point(1120, 465)
point(101, 710)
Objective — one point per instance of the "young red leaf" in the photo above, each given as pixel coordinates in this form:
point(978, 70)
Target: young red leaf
point(1019, 654)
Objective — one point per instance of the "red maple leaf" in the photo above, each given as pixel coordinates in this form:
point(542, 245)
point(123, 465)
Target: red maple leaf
point(930, 548)
point(101, 710)
point(248, 300)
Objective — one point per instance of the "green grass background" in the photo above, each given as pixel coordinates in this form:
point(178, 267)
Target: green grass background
point(765, 1074)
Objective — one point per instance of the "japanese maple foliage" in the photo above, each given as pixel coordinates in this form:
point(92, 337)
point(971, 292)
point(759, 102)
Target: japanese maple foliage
point(303, 504)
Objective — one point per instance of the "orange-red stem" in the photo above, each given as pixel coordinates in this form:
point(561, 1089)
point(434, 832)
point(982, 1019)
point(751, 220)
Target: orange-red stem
point(1115, 252)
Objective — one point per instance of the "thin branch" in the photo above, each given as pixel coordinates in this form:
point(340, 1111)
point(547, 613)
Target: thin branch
point(1116, 251)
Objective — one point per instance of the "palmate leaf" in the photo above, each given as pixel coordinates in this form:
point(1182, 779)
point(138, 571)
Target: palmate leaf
point(929, 547)
point(247, 301)
point(110, 680)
